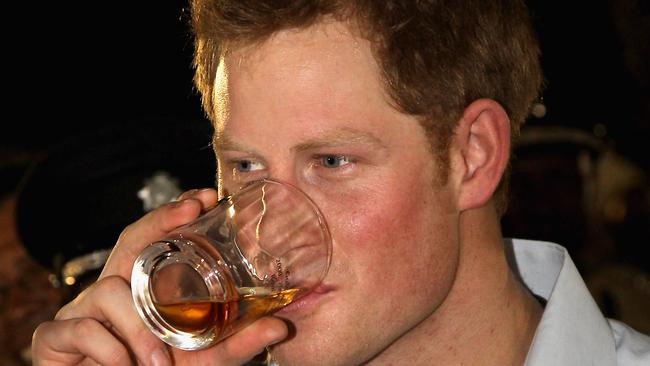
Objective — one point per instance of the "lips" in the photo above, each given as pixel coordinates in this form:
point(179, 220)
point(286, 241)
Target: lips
point(308, 301)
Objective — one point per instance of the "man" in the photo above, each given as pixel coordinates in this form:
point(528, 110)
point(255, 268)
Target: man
point(396, 118)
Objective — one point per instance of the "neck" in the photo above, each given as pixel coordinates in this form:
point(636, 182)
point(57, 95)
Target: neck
point(488, 318)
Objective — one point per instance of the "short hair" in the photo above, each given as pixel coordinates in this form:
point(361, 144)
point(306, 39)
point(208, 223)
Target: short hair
point(435, 56)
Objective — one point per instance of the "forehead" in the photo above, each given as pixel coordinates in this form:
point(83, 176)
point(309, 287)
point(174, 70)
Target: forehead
point(314, 74)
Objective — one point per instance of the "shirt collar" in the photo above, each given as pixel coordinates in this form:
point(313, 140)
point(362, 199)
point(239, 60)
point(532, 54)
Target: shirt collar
point(572, 330)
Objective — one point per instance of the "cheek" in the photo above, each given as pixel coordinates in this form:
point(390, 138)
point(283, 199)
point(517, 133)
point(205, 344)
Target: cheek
point(396, 242)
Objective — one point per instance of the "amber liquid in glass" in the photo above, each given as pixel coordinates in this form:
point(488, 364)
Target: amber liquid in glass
point(197, 316)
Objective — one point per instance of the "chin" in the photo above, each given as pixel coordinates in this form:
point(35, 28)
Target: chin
point(319, 352)
point(304, 352)
point(320, 340)
point(312, 341)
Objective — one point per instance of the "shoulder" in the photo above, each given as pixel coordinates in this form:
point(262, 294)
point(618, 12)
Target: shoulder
point(632, 347)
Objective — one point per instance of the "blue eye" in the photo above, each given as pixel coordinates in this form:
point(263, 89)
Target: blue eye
point(245, 166)
point(333, 161)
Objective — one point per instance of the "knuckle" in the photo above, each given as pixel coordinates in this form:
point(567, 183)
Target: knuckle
point(107, 286)
point(112, 284)
point(39, 333)
point(86, 328)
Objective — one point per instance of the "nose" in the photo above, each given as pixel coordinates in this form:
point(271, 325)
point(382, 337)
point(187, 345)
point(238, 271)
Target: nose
point(283, 170)
point(290, 171)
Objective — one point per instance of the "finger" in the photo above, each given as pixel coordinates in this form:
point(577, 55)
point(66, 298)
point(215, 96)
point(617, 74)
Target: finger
point(206, 195)
point(242, 346)
point(73, 341)
point(153, 226)
point(109, 301)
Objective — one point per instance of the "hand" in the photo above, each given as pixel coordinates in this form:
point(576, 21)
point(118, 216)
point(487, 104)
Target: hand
point(101, 326)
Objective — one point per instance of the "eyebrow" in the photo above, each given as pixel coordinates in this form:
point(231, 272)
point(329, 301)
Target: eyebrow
point(222, 142)
point(346, 136)
point(339, 137)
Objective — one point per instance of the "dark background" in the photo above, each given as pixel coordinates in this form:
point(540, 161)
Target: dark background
point(77, 65)
point(74, 66)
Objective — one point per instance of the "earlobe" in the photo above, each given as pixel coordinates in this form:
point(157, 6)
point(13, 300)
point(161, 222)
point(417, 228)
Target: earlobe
point(483, 135)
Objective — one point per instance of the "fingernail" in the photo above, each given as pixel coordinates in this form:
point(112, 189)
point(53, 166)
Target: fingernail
point(176, 204)
point(187, 194)
point(160, 357)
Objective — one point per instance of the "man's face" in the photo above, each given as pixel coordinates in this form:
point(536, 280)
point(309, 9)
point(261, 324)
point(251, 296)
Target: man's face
point(308, 108)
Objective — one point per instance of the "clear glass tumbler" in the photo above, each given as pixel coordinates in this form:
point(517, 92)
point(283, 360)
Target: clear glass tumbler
point(251, 255)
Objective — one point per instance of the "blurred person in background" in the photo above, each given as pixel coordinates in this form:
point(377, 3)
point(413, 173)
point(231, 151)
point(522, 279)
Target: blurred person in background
point(599, 210)
point(580, 171)
point(27, 297)
point(63, 212)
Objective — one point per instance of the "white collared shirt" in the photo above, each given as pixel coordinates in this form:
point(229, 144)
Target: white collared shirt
point(572, 331)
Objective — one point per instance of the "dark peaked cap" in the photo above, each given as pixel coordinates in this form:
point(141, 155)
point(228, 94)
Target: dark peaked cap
point(80, 197)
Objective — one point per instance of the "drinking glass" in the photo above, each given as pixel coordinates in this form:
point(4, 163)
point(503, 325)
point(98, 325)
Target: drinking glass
point(254, 253)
